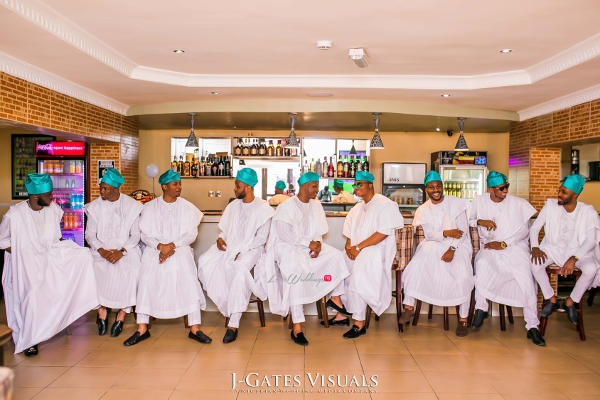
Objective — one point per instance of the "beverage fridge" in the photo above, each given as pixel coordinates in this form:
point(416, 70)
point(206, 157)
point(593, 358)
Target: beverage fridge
point(403, 184)
point(66, 163)
point(463, 173)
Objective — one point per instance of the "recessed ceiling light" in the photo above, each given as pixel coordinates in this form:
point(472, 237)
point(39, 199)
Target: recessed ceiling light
point(319, 94)
point(445, 95)
point(505, 50)
point(215, 92)
point(178, 51)
point(437, 129)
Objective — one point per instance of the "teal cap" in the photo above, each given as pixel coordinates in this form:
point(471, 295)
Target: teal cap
point(169, 176)
point(496, 179)
point(248, 176)
point(280, 185)
point(364, 176)
point(338, 183)
point(432, 176)
point(38, 183)
point(113, 177)
point(308, 177)
point(574, 183)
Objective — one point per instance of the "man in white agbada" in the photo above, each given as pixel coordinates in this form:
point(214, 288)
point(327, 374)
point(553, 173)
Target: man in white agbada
point(279, 197)
point(440, 271)
point(342, 195)
point(113, 235)
point(299, 268)
point(225, 269)
point(502, 266)
point(48, 282)
point(370, 248)
point(168, 282)
point(570, 240)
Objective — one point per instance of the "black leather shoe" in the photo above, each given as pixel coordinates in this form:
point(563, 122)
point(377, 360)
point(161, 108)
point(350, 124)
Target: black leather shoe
point(299, 339)
point(355, 332)
point(571, 313)
point(230, 336)
point(102, 326)
point(31, 352)
point(480, 315)
point(341, 322)
point(549, 308)
point(536, 337)
point(136, 338)
point(116, 328)
point(200, 337)
point(342, 310)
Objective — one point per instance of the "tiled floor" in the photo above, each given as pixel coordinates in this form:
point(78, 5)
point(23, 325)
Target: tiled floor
point(423, 363)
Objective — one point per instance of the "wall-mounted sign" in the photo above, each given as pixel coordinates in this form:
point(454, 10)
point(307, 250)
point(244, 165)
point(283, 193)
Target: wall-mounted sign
point(103, 165)
point(60, 149)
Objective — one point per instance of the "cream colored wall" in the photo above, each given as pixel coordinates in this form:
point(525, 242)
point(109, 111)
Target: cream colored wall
point(155, 148)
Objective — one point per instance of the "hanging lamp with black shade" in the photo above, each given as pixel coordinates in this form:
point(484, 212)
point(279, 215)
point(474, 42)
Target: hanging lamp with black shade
point(376, 142)
point(192, 141)
point(292, 141)
point(461, 145)
point(353, 149)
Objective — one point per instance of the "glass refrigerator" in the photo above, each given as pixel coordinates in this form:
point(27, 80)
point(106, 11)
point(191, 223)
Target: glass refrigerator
point(23, 162)
point(403, 184)
point(463, 173)
point(66, 163)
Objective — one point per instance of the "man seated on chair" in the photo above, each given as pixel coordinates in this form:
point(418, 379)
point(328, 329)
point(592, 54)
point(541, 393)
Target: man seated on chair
point(168, 283)
point(299, 268)
point(279, 197)
point(570, 241)
point(225, 269)
point(369, 228)
point(502, 266)
point(440, 272)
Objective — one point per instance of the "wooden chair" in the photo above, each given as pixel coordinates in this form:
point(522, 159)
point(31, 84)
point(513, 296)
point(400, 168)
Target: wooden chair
point(261, 312)
point(591, 296)
point(555, 269)
point(321, 311)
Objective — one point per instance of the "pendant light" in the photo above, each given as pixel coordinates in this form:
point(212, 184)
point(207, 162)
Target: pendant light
point(376, 143)
point(461, 145)
point(192, 141)
point(292, 141)
point(353, 149)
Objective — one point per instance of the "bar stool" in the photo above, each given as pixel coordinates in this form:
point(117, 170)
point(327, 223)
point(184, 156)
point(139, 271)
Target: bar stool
point(555, 269)
point(261, 312)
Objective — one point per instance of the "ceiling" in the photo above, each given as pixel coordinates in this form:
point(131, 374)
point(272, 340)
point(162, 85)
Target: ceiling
point(119, 54)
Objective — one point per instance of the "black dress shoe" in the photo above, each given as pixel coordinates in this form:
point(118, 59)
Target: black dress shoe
point(116, 328)
point(571, 313)
point(200, 337)
point(480, 315)
point(299, 338)
point(341, 322)
point(102, 326)
point(355, 332)
point(536, 337)
point(136, 338)
point(31, 352)
point(549, 308)
point(342, 310)
point(230, 336)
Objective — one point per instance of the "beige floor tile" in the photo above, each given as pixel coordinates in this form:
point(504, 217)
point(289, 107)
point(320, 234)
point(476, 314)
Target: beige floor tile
point(70, 393)
point(88, 342)
point(50, 357)
point(137, 394)
point(403, 396)
point(591, 362)
point(556, 363)
point(219, 331)
point(181, 394)
point(262, 361)
point(316, 380)
point(326, 346)
point(400, 381)
point(209, 379)
point(289, 379)
point(485, 347)
point(384, 346)
point(25, 393)
point(331, 362)
point(36, 377)
point(547, 396)
point(499, 363)
point(388, 362)
point(98, 378)
point(277, 346)
point(241, 345)
point(459, 382)
point(574, 384)
point(429, 362)
point(583, 397)
point(524, 347)
point(439, 347)
point(176, 344)
point(261, 396)
point(587, 348)
point(469, 396)
point(422, 333)
point(165, 359)
point(362, 395)
point(117, 344)
point(10, 358)
point(150, 378)
point(110, 358)
point(520, 383)
point(229, 361)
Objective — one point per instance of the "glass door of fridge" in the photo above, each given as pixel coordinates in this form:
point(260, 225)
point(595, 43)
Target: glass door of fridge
point(464, 182)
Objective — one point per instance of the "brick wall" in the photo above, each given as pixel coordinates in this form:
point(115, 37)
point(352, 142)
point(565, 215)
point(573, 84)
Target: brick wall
point(544, 176)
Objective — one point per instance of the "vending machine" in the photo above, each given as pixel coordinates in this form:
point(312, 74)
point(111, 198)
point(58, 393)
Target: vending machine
point(463, 173)
point(66, 163)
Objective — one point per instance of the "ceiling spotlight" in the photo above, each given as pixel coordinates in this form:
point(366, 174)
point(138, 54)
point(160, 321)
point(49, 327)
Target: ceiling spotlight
point(437, 129)
point(215, 92)
point(324, 44)
point(360, 57)
point(505, 50)
point(178, 51)
point(445, 95)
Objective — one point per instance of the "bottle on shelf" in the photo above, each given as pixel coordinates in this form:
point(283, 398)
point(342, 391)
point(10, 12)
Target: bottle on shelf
point(245, 149)
point(214, 167)
point(318, 167)
point(73, 184)
point(180, 165)
point(340, 168)
point(358, 164)
point(254, 148)
point(312, 165)
point(270, 149)
point(221, 167)
point(186, 167)
point(346, 167)
point(325, 167)
point(365, 166)
point(194, 166)
point(330, 171)
point(352, 167)
point(279, 149)
point(207, 166)
point(227, 166)
point(262, 149)
point(237, 150)
point(305, 169)
point(200, 171)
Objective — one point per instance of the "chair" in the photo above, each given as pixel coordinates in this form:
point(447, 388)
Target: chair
point(591, 296)
point(555, 269)
point(321, 311)
point(261, 312)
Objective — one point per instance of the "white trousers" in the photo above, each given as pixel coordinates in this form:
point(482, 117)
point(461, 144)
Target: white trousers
point(234, 320)
point(127, 310)
point(297, 313)
point(463, 310)
point(193, 318)
point(586, 264)
point(529, 312)
point(356, 302)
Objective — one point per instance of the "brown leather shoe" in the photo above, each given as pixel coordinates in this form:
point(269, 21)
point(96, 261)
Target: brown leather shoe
point(462, 330)
point(406, 316)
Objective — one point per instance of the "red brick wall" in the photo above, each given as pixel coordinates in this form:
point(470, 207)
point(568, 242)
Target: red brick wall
point(544, 176)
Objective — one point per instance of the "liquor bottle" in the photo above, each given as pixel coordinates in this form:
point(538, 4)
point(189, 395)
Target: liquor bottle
point(186, 167)
point(279, 149)
point(346, 167)
point(227, 166)
point(352, 167)
point(358, 164)
point(325, 168)
point(306, 167)
point(365, 166)
point(238, 149)
point(330, 171)
point(207, 167)
point(319, 167)
point(254, 148)
point(245, 149)
point(312, 165)
point(221, 167)
point(340, 168)
point(262, 149)
point(201, 167)
point(270, 149)
point(180, 165)
point(195, 167)
point(73, 184)
point(215, 168)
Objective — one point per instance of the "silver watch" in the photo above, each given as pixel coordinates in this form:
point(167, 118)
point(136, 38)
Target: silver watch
point(124, 251)
point(452, 248)
point(357, 248)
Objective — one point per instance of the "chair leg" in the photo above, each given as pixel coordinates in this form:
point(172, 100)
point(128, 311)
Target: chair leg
point(502, 320)
point(430, 312)
point(261, 313)
point(69, 330)
point(591, 296)
point(150, 321)
point(319, 308)
point(471, 309)
point(376, 317)
point(185, 321)
point(290, 323)
point(226, 322)
point(417, 313)
point(368, 317)
point(580, 326)
point(510, 315)
point(446, 319)
point(324, 314)
point(134, 313)
point(399, 299)
point(458, 313)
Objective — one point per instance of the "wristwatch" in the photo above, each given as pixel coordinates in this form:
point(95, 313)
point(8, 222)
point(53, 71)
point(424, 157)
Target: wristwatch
point(124, 251)
point(357, 248)
point(503, 245)
point(576, 258)
point(452, 248)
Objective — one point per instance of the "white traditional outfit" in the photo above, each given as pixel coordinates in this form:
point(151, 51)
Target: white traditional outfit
point(48, 283)
point(226, 275)
point(343, 197)
point(427, 277)
point(113, 225)
point(292, 277)
point(278, 199)
point(370, 280)
point(566, 235)
point(170, 289)
point(504, 276)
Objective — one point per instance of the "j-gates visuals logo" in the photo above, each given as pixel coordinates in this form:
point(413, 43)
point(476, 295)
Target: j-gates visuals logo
point(315, 383)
